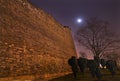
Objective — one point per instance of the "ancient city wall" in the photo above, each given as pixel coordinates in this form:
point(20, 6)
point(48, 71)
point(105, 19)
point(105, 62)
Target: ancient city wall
point(32, 41)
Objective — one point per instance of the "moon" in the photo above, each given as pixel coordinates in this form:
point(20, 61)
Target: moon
point(79, 20)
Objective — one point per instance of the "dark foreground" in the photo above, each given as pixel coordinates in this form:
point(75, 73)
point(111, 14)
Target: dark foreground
point(87, 77)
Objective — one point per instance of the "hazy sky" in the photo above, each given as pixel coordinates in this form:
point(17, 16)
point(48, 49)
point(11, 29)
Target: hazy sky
point(67, 12)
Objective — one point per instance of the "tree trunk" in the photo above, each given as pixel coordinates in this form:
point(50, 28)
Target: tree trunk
point(97, 60)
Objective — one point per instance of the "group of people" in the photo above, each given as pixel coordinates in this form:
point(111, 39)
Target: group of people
point(93, 65)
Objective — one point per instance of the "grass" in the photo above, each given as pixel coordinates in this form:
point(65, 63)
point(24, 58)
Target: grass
point(87, 77)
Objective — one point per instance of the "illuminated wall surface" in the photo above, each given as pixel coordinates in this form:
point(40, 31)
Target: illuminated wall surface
point(32, 41)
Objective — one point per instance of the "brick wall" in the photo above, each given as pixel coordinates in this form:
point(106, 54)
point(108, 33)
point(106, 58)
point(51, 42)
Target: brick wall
point(32, 41)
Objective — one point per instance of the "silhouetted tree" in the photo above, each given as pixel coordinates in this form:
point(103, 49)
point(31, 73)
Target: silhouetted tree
point(110, 64)
point(114, 57)
point(103, 62)
point(82, 63)
point(73, 63)
point(97, 37)
point(93, 68)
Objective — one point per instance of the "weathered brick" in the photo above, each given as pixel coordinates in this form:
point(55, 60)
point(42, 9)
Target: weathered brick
point(32, 41)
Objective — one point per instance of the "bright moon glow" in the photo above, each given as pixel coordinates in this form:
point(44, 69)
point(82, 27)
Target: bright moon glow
point(79, 20)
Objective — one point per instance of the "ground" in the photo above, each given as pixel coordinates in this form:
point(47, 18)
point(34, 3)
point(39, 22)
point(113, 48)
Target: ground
point(87, 77)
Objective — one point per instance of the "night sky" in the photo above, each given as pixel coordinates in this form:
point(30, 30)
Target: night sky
point(67, 12)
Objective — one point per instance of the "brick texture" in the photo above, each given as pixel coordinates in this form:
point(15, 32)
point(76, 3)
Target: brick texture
point(32, 41)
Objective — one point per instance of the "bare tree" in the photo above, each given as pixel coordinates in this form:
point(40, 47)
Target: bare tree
point(97, 37)
point(112, 56)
